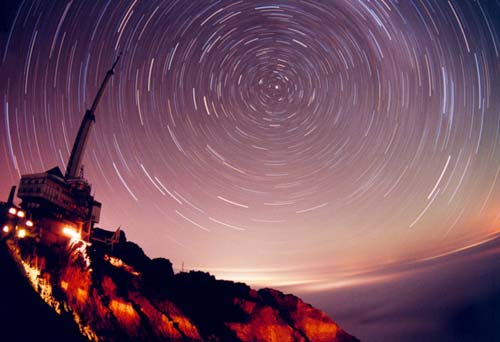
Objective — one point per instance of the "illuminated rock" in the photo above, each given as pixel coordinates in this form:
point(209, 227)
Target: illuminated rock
point(142, 299)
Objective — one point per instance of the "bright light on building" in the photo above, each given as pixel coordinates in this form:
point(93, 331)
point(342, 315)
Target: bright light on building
point(21, 213)
point(72, 233)
point(29, 223)
point(12, 211)
point(6, 229)
point(21, 233)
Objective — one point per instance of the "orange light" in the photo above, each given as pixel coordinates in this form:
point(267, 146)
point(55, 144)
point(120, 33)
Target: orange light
point(6, 229)
point(21, 233)
point(12, 211)
point(72, 233)
point(29, 223)
point(21, 213)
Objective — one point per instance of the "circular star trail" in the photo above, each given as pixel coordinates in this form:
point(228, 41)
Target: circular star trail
point(275, 138)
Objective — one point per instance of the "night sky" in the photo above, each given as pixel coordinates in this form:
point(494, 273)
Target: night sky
point(300, 143)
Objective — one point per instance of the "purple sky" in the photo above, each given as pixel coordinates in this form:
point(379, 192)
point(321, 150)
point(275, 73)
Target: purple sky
point(313, 144)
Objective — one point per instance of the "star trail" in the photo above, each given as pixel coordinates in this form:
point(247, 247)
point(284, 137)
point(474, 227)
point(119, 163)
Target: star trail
point(273, 137)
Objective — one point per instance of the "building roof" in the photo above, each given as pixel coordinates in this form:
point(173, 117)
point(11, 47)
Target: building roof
point(56, 171)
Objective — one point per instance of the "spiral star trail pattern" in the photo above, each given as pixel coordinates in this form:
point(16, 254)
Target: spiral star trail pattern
point(280, 139)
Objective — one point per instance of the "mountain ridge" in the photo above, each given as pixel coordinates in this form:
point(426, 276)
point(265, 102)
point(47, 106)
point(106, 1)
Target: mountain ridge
point(123, 295)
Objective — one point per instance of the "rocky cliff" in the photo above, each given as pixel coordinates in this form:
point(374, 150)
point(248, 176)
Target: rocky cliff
point(123, 295)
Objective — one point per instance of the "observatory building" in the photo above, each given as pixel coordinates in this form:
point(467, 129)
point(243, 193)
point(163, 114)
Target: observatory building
point(62, 205)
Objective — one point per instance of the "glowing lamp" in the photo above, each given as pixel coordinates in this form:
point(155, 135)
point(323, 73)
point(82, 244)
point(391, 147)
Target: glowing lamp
point(6, 229)
point(21, 213)
point(12, 211)
point(21, 233)
point(72, 233)
point(29, 223)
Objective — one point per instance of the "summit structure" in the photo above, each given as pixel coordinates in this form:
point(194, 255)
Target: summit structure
point(62, 205)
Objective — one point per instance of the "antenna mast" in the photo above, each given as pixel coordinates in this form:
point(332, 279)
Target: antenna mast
point(75, 160)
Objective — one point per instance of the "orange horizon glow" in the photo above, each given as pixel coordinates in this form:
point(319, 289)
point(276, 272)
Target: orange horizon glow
point(330, 278)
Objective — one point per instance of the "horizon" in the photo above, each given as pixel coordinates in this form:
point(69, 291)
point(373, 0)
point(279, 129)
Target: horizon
point(306, 145)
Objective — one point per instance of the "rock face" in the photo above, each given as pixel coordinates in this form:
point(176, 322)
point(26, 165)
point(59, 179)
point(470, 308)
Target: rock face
point(24, 316)
point(124, 295)
point(274, 316)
